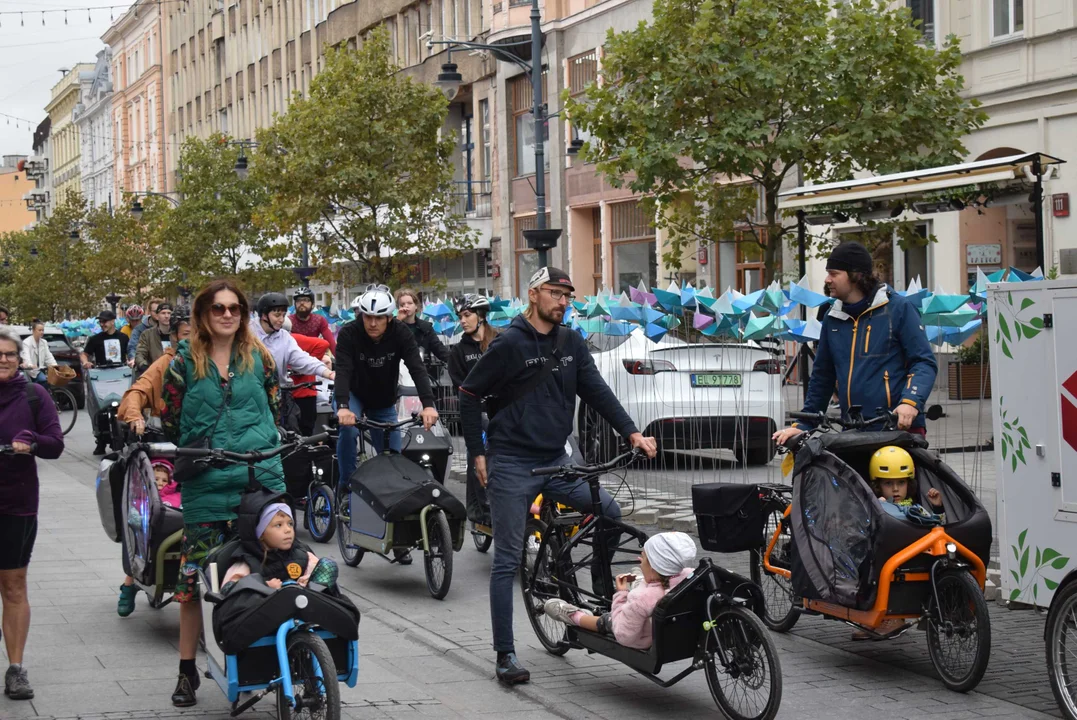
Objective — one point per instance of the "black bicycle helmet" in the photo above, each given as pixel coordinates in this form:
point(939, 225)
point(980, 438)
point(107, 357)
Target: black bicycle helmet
point(271, 301)
point(478, 304)
point(303, 292)
point(180, 315)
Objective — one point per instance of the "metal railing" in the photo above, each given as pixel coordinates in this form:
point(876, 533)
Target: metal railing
point(472, 198)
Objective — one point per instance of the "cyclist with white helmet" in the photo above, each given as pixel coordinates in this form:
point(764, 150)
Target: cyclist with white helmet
point(369, 351)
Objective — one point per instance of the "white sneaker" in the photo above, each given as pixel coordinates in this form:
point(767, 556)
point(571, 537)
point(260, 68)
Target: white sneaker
point(560, 610)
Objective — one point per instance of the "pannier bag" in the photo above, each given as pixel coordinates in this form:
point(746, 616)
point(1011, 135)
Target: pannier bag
point(395, 487)
point(729, 516)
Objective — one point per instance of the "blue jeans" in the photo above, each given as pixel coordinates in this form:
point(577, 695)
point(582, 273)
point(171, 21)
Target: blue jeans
point(347, 455)
point(40, 379)
point(511, 490)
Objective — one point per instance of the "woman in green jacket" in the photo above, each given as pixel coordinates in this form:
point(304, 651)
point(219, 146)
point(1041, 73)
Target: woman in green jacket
point(221, 385)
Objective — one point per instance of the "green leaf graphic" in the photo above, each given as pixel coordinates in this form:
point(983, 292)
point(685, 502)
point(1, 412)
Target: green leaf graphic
point(1037, 557)
point(1030, 332)
point(1004, 326)
point(1021, 537)
point(1016, 577)
point(1060, 562)
point(1026, 304)
point(1014, 594)
point(1024, 562)
point(1006, 350)
point(1037, 322)
point(1051, 584)
point(1049, 554)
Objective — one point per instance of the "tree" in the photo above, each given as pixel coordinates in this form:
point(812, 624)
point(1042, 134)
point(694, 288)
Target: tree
point(128, 255)
point(48, 275)
point(212, 232)
point(708, 109)
point(364, 161)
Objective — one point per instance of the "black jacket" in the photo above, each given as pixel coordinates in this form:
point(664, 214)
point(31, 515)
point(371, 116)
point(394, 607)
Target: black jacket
point(537, 425)
point(423, 332)
point(463, 357)
point(371, 370)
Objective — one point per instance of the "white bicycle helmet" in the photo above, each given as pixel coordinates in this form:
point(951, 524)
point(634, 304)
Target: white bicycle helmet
point(376, 301)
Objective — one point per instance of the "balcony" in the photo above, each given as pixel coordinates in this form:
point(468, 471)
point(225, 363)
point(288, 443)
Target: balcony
point(36, 167)
point(472, 199)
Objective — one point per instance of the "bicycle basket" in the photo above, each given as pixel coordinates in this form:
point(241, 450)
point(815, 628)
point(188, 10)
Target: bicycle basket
point(729, 517)
point(59, 375)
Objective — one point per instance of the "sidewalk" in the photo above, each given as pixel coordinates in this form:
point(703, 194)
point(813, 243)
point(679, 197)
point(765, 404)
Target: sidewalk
point(86, 662)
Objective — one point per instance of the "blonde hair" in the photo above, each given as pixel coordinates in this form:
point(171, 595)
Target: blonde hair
point(409, 293)
point(244, 344)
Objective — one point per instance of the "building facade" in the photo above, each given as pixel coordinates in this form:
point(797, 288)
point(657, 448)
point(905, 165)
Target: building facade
point(38, 168)
point(14, 185)
point(138, 101)
point(93, 115)
point(64, 137)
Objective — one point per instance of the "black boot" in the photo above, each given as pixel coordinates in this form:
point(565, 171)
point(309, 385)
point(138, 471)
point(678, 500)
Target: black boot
point(184, 694)
point(101, 447)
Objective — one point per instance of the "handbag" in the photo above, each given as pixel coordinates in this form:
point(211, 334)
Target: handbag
point(188, 468)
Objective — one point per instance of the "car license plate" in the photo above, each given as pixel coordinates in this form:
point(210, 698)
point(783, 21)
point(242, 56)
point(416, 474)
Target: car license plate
point(715, 379)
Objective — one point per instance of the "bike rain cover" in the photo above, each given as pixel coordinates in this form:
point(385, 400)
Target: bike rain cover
point(396, 487)
point(834, 519)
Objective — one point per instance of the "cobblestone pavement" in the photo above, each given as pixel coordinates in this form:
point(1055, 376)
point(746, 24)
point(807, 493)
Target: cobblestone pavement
point(422, 657)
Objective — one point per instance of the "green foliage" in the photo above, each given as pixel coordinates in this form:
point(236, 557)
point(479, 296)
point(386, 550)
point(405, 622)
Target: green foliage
point(127, 255)
point(213, 233)
point(367, 144)
point(750, 90)
point(974, 353)
point(1020, 325)
point(1028, 574)
point(1014, 439)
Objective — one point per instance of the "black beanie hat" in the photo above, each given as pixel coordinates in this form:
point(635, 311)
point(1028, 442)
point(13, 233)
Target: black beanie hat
point(851, 257)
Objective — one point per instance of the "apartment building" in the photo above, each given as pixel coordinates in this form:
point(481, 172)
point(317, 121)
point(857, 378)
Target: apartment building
point(138, 102)
point(64, 136)
point(38, 168)
point(93, 115)
point(14, 215)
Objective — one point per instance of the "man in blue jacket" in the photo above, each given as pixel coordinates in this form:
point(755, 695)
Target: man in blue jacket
point(530, 429)
point(872, 351)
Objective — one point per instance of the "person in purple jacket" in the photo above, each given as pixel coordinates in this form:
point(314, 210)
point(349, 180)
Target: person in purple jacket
point(29, 427)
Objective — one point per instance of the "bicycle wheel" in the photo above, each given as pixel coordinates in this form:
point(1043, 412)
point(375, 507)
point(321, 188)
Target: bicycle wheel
point(482, 541)
point(539, 562)
point(743, 672)
point(350, 553)
point(66, 407)
point(959, 631)
point(319, 514)
point(314, 680)
point(779, 610)
point(1062, 649)
point(438, 559)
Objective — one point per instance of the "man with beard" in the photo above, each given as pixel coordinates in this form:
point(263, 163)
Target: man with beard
point(530, 428)
point(306, 322)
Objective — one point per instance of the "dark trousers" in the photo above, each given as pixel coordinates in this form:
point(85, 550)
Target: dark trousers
point(308, 414)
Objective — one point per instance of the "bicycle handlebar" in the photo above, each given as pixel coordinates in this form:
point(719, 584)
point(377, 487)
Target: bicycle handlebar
point(166, 450)
point(10, 450)
point(588, 470)
point(300, 386)
point(822, 420)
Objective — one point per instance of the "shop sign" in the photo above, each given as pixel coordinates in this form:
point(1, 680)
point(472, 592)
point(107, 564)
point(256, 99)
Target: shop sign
point(986, 254)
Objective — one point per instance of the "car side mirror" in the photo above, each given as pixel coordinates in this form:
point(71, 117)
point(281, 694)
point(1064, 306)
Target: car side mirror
point(934, 412)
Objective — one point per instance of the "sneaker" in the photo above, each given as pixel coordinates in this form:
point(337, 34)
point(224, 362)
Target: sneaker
point(403, 557)
point(17, 685)
point(183, 695)
point(510, 671)
point(560, 610)
point(126, 604)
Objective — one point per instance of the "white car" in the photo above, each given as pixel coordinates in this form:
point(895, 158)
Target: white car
point(690, 396)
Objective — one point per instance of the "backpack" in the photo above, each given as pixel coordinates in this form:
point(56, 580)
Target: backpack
point(35, 402)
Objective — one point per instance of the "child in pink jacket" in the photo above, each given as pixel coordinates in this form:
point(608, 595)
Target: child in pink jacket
point(666, 560)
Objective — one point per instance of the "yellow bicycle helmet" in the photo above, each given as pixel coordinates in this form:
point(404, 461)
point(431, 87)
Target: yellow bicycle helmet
point(891, 462)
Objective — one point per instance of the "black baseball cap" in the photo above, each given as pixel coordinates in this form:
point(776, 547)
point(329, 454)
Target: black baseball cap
point(106, 315)
point(550, 276)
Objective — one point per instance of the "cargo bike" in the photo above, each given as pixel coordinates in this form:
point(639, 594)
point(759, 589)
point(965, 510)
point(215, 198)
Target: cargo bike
point(827, 547)
point(298, 642)
point(709, 619)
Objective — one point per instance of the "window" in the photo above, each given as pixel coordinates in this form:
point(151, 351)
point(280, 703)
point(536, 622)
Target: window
point(1007, 18)
point(923, 15)
point(524, 126)
point(635, 252)
point(484, 114)
point(526, 258)
point(596, 240)
point(582, 70)
point(750, 266)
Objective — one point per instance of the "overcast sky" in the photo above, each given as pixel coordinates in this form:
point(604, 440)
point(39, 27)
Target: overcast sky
point(32, 54)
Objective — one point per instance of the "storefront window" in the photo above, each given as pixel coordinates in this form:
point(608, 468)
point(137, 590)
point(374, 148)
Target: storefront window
point(635, 262)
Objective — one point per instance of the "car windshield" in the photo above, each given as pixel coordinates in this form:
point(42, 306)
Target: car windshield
point(57, 342)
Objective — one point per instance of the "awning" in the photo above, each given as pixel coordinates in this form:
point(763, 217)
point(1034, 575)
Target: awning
point(909, 185)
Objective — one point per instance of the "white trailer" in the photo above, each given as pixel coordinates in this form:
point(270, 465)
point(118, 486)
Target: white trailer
point(1033, 340)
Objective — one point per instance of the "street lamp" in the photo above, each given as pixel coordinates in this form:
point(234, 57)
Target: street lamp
point(113, 299)
point(241, 166)
point(541, 239)
point(136, 205)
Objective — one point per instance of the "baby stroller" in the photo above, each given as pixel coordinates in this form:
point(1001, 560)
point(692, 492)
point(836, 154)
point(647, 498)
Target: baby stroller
point(298, 642)
point(835, 552)
point(106, 385)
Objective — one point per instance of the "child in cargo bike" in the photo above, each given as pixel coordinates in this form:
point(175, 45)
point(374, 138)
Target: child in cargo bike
point(277, 556)
point(666, 560)
point(893, 480)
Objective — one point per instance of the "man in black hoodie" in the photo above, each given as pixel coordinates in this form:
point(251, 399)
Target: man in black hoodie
point(369, 351)
point(532, 431)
